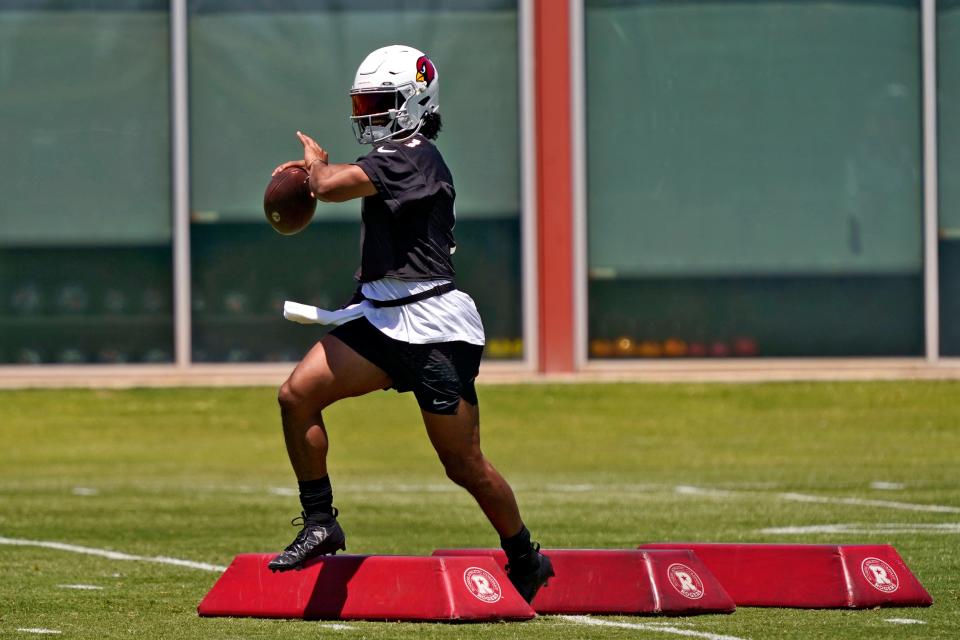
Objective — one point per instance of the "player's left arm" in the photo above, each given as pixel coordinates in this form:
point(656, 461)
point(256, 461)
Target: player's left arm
point(330, 182)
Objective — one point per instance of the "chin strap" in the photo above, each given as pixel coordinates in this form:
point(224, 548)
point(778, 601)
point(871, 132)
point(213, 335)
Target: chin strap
point(391, 137)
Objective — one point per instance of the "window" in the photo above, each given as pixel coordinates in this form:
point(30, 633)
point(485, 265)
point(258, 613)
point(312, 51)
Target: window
point(948, 84)
point(85, 240)
point(258, 73)
point(754, 178)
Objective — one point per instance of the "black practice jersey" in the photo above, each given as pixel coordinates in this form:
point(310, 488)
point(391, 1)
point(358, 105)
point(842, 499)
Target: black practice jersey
point(407, 229)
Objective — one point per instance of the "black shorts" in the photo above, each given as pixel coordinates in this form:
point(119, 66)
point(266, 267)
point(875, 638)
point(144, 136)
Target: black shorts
point(439, 373)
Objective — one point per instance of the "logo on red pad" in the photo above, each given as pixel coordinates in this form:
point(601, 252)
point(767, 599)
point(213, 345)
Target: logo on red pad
point(880, 575)
point(482, 584)
point(685, 580)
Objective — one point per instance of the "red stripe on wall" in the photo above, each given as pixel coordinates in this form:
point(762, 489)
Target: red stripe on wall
point(554, 185)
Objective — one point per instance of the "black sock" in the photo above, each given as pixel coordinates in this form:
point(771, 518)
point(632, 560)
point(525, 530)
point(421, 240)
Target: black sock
point(518, 547)
point(316, 496)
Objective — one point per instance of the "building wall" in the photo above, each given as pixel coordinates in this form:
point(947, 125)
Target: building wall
point(709, 179)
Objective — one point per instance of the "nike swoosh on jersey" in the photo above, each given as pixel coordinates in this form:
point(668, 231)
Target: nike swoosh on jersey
point(385, 150)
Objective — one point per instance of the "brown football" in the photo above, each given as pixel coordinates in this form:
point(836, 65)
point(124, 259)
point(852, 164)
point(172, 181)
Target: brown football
point(287, 202)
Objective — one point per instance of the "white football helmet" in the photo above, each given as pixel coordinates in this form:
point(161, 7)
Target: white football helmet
point(394, 89)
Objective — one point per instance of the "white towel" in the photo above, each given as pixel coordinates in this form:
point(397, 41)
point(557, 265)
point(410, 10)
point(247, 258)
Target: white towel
point(307, 314)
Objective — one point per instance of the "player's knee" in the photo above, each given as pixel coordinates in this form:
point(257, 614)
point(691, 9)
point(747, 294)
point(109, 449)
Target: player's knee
point(456, 474)
point(286, 396)
point(294, 396)
point(467, 471)
point(291, 397)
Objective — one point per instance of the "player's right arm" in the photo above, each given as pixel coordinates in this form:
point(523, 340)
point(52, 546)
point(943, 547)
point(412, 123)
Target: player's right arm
point(330, 182)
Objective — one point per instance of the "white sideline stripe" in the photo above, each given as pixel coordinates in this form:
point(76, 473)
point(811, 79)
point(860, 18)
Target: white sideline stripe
point(81, 587)
point(904, 621)
point(112, 555)
point(866, 528)
point(646, 626)
point(861, 502)
point(85, 491)
point(338, 626)
point(39, 630)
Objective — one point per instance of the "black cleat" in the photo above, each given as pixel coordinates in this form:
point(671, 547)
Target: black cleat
point(317, 538)
point(530, 572)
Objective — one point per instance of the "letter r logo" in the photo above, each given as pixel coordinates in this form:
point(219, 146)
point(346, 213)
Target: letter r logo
point(482, 585)
point(879, 575)
point(686, 582)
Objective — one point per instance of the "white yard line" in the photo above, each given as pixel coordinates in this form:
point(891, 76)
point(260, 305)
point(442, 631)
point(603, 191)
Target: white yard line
point(882, 528)
point(81, 587)
point(904, 621)
point(704, 491)
point(39, 630)
point(570, 488)
point(861, 502)
point(447, 487)
point(805, 497)
point(111, 555)
point(647, 626)
point(887, 486)
point(731, 488)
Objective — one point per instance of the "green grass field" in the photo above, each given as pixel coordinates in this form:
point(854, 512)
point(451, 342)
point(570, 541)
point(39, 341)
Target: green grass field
point(201, 474)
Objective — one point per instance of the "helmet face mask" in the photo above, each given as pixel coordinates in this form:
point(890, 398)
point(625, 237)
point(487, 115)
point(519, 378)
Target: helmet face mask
point(377, 114)
point(395, 87)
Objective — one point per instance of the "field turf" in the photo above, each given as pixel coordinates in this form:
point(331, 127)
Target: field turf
point(201, 474)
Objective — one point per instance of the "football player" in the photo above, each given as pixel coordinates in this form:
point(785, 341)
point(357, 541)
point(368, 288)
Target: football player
point(410, 327)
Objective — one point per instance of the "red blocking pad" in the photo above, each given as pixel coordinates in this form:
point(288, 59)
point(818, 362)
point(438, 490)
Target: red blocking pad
point(607, 581)
point(810, 576)
point(368, 588)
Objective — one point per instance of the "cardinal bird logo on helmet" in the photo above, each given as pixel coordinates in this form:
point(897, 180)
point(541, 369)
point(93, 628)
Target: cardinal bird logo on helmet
point(425, 70)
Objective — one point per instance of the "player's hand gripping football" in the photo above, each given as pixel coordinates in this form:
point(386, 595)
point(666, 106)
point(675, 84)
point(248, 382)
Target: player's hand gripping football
point(312, 152)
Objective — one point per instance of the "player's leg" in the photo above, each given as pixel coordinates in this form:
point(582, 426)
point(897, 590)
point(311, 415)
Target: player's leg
point(456, 439)
point(329, 372)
